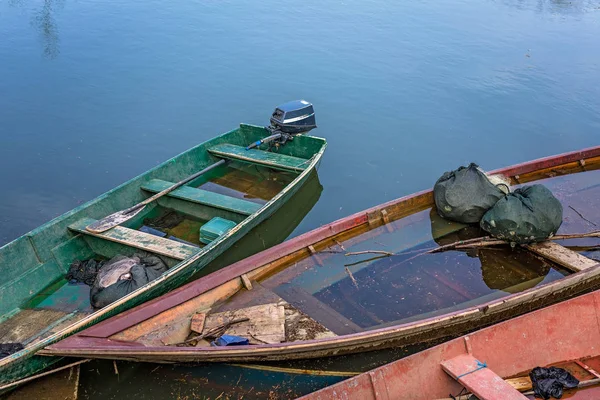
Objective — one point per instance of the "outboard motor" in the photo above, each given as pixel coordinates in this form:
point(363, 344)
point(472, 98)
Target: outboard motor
point(288, 120)
point(294, 117)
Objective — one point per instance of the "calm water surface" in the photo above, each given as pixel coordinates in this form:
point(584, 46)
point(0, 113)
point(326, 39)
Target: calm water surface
point(94, 93)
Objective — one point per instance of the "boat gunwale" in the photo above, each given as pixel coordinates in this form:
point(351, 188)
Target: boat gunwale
point(200, 286)
point(78, 325)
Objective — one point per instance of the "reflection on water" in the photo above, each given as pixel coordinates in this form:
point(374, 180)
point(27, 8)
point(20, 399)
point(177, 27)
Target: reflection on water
point(214, 381)
point(579, 196)
point(44, 22)
point(564, 7)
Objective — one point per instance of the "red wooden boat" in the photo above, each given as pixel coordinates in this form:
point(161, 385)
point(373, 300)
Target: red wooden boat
point(314, 297)
point(566, 335)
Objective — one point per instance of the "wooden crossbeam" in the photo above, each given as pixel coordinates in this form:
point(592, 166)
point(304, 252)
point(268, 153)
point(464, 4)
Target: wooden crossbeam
point(254, 156)
point(562, 256)
point(479, 379)
point(139, 240)
point(199, 196)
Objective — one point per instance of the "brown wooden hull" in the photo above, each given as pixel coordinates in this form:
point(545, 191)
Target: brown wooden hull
point(106, 340)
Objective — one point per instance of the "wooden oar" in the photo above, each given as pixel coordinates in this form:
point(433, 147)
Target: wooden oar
point(121, 216)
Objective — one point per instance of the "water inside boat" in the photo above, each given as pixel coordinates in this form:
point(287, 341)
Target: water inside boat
point(345, 294)
point(246, 181)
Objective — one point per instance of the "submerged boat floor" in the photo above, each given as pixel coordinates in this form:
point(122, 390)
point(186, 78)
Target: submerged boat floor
point(331, 293)
point(353, 294)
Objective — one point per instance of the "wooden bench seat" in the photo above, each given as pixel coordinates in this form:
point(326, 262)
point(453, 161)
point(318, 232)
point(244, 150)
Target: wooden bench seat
point(254, 156)
point(139, 240)
point(479, 379)
point(199, 196)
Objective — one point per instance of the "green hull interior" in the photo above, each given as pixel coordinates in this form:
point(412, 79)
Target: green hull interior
point(37, 305)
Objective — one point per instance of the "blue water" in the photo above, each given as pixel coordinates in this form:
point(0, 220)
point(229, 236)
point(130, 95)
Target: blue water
point(93, 93)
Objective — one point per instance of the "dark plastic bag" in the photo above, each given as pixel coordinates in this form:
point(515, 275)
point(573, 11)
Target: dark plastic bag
point(6, 349)
point(550, 382)
point(123, 275)
point(84, 271)
point(465, 194)
point(529, 214)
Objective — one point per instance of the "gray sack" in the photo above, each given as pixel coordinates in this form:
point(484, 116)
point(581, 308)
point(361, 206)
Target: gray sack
point(529, 214)
point(122, 275)
point(465, 194)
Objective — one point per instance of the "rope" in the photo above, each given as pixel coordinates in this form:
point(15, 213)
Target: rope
point(459, 395)
point(480, 365)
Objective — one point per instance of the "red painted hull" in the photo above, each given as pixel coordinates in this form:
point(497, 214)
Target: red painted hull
point(566, 331)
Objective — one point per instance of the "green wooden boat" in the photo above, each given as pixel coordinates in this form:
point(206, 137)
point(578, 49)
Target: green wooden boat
point(39, 307)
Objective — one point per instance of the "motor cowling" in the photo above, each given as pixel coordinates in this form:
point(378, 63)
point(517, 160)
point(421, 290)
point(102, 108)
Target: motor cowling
point(293, 118)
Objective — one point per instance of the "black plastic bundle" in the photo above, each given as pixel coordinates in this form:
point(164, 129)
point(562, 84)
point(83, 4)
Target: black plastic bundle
point(84, 271)
point(6, 349)
point(550, 382)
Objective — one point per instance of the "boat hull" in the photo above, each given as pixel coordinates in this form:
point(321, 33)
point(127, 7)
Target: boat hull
point(553, 335)
point(25, 362)
point(428, 330)
point(96, 342)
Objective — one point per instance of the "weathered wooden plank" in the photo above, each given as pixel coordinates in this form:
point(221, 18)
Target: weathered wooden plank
point(244, 298)
point(197, 324)
point(378, 382)
point(317, 310)
point(139, 240)
point(479, 379)
point(26, 324)
point(522, 384)
point(300, 327)
point(204, 197)
point(254, 156)
point(562, 256)
point(246, 282)
point(175, 332)
point(151, 328)
point(266, 323)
